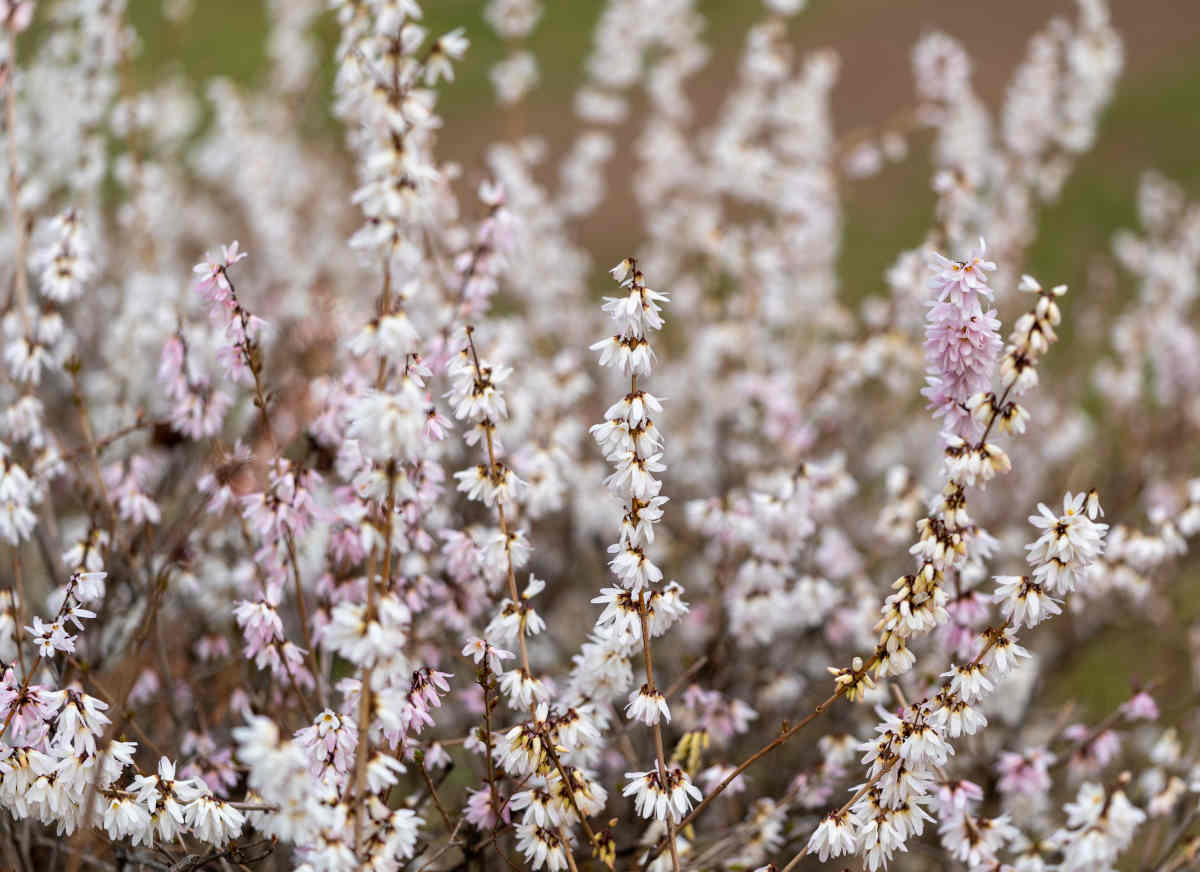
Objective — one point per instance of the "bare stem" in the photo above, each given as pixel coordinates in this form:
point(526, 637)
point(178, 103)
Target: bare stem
point(249, 351)
point(658, 742)
point(364, 693)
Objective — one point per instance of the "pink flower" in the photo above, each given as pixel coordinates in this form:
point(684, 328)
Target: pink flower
point(331, 741)
point(213, 285)
point(38, 707)
point(170, 368)
point(1027, 774)
point(956, 797)
point(960, 280)
point(480, 812)
point(426, 684)
point(260, 623)
point(16, 15)
point(962, 345)
point(1140, 707)
point(480, 650)
point(1096, 752)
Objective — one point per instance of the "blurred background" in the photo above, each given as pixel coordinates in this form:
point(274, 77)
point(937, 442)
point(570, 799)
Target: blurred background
point(1153, 123)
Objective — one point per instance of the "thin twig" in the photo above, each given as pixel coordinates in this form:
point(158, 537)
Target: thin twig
point(433, 795)
point(687, 676)
point(658, 742)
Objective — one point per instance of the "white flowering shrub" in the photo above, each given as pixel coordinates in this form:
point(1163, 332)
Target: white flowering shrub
point(393, 540)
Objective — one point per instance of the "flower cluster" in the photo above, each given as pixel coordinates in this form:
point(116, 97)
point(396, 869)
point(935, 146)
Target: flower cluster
point(962, 341)
point(62, 765)
point(907, 760)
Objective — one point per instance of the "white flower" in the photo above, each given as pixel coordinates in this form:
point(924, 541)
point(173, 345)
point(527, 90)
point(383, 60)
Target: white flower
point(576, 728)
point(1023, 601)
point(637, 530)
point(654, 799)
point(635, 409)
point(924, 746)
point(648, 707)
point(630, 356)
point(507, 623)
point(51, 638)
point(1087, 807)
point(330, 741)
point(500, 484)
point(383, 771)
point(957, 718)
point(666, 607)
point(522, 750)
point(622, 270)
point(975, 840)
point(89, 586)
point(475, 395)
point(834, 837)
point(391, 425)
point(633, 569)
point(522, 689)
point(969, 682)
point(878, 837)
point(633, 476)
point(213, 821)
point(1123, 817)
point(541, 847)
point(367, 642)
point(66, 263)
point(17, 495)
point(620, 616)
point(402, 830)
point(1070, 543)
point(393, 336)
point(513, 77)
point(124, 817)
point(636, 313)
point(538, 806)
point(480, 651)
point(1004, 653)
point(448, 47)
